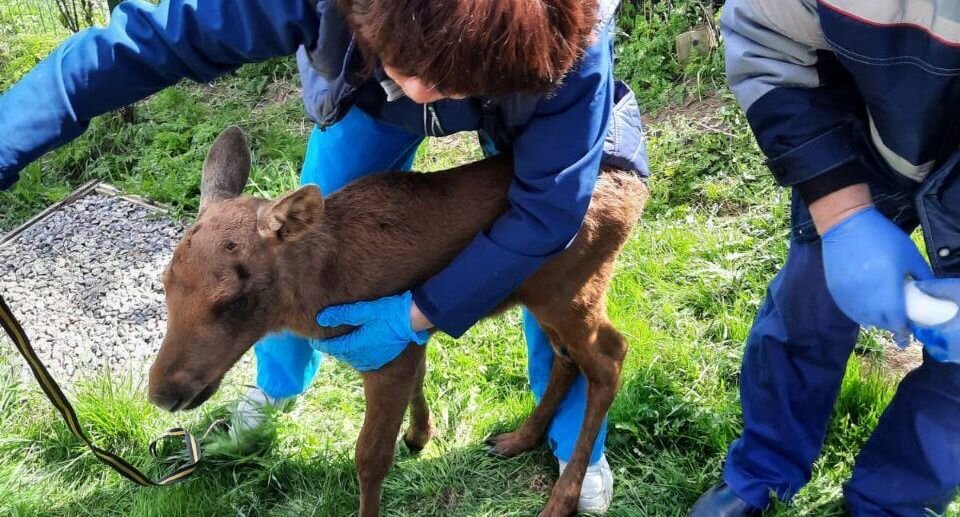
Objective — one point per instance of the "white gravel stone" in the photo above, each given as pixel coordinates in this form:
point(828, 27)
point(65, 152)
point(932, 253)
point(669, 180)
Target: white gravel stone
point(85, 284)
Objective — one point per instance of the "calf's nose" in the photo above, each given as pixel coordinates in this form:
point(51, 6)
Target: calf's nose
point(163, 399)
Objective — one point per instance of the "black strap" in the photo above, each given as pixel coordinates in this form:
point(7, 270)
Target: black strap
point(59, 401)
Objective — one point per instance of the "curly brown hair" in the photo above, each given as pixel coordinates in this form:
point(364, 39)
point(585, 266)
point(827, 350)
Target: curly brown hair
point(475, 47)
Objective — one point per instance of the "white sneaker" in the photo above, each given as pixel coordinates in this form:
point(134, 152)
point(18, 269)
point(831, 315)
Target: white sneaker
point(254, 409)
point(596, 493)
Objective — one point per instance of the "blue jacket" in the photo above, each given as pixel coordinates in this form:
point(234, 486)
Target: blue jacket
point(558, 141)
point(847, 91)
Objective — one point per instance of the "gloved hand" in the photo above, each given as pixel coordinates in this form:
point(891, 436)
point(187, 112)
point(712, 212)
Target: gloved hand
point(941, 341)
point(383, 331)
point(866, 259)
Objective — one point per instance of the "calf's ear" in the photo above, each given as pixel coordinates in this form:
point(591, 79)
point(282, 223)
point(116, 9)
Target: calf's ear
point(226, 167)
point(291, 216)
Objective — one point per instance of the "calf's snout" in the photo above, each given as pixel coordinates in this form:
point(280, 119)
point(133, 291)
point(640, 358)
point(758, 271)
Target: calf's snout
point(173, 390)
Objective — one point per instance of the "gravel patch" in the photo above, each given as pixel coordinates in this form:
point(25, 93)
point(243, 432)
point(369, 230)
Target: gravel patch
point(85, 284)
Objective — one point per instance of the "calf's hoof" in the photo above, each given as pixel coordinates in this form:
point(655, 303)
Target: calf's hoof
point(508, 445)
point(563, 498)
point(560, 506)
point(416, 439)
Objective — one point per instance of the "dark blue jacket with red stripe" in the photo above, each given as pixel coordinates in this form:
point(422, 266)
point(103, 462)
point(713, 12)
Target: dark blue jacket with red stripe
point(845, 91)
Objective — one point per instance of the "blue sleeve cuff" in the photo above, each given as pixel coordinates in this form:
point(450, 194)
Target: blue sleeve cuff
point(837, 178)
point(817, 156)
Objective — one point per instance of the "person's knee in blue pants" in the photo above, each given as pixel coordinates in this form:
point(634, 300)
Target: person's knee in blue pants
point(793, 366)
point(565, 427)
point(356, 146)
point(911, 463)
point(286, 364)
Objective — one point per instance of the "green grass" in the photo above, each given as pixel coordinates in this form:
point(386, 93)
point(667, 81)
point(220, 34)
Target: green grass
point(687, 288)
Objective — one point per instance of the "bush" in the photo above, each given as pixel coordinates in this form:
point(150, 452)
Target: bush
point(646, 52)
point(20, 53)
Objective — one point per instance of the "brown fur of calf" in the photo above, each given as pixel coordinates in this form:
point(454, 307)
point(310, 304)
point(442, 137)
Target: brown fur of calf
point(251, 266)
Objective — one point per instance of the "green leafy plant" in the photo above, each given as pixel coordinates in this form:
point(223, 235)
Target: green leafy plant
point(646, 57)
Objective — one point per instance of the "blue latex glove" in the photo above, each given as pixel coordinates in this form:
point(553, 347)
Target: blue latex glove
point(865, 259)
point(383, 331)
point(941, 341)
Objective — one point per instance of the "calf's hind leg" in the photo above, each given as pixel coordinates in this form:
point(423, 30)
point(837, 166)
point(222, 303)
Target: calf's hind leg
point(387, 392)
point(599, 354)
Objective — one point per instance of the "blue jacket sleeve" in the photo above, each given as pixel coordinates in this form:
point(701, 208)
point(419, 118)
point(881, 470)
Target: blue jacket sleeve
point(556, 162)
point(803, 107)
point(144, 49)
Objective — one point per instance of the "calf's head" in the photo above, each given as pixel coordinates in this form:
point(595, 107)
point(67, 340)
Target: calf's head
point(223, 286)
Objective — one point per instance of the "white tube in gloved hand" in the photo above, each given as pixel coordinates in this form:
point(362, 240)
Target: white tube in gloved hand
point(926, 310)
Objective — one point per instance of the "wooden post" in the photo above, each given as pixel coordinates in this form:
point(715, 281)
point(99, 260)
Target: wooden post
point(700, 40)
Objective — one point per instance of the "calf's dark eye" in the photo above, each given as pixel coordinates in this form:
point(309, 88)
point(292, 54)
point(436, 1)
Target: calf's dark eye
point(238, 305)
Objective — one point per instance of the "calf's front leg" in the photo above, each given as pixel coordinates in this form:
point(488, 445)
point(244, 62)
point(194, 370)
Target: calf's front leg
point(387, 391)
point(421, 425)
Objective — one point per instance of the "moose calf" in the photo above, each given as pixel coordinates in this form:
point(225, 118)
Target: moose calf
point(251, 266)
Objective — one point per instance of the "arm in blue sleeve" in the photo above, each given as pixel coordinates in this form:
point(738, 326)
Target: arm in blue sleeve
point(803, 107)
point(144, 49)
point(556, 162)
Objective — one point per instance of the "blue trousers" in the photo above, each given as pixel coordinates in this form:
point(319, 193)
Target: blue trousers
point(354, 147)
point(794, 362)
